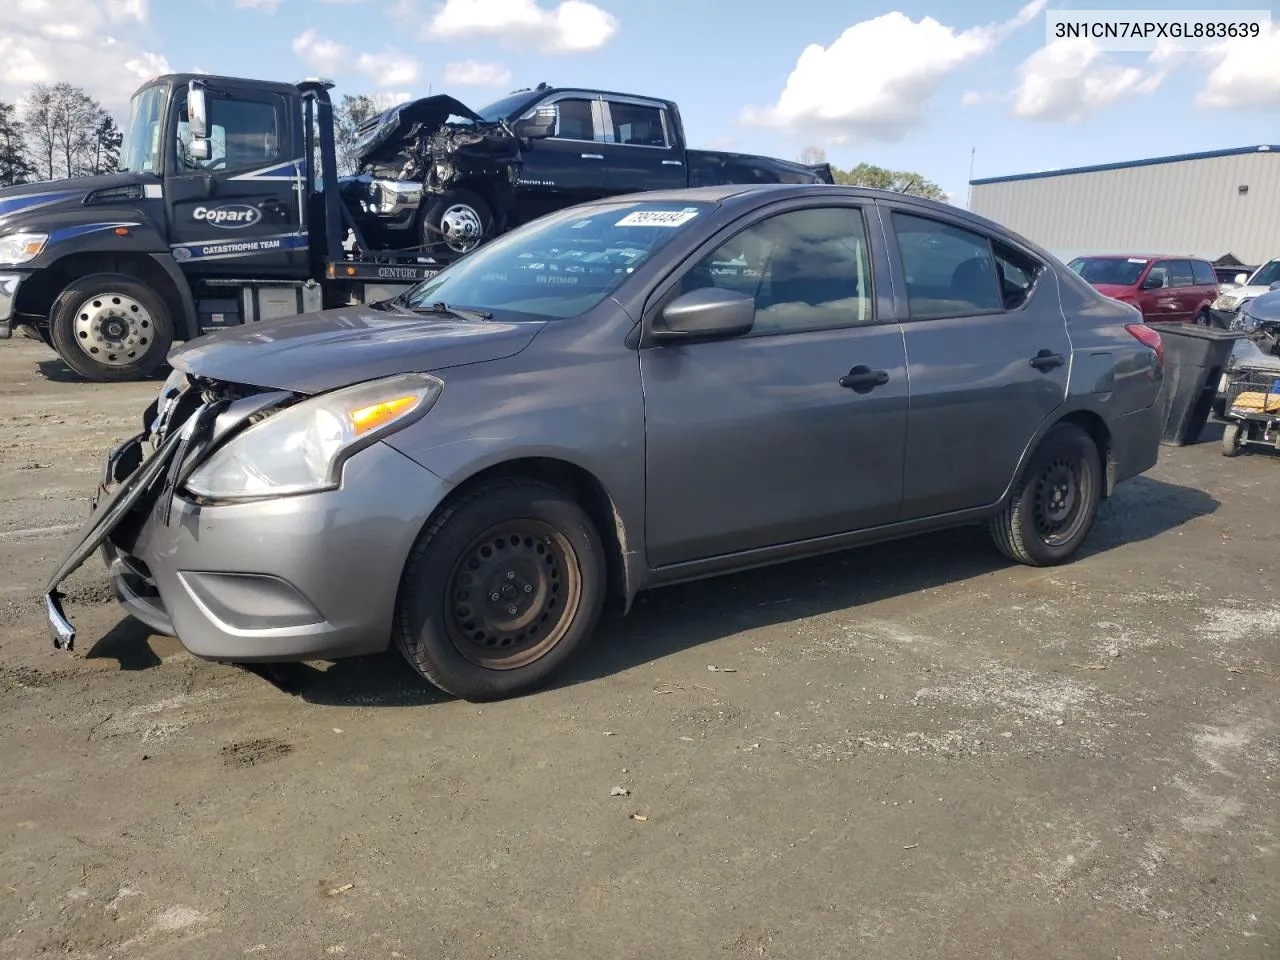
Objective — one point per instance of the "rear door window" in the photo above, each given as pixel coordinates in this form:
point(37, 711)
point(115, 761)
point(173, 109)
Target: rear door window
point(1180, 272)
point(637, 125)
point(1203, 273)
point(950, 271)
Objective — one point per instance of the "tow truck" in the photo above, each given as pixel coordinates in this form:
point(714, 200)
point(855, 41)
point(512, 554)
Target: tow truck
point(228, 209)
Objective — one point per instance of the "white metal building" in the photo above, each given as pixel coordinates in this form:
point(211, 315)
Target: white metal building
point(1216, 205)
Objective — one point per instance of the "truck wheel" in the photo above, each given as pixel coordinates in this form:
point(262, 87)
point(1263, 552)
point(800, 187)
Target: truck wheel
point(1054, 503)
point(109, 327)
point(500, 590)
point(454, 225)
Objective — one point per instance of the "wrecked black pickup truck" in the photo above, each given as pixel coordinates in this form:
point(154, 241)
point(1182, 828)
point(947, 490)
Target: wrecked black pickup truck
point(437, 176)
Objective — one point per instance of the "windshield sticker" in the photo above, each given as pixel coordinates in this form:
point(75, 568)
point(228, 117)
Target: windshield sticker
point(1136, 260)
point(657, 218)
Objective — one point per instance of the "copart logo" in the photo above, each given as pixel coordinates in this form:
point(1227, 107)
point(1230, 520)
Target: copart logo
point(228, 216)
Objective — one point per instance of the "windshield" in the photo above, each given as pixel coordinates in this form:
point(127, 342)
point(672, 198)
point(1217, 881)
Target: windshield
point(1122, 273)
point(501, 109)
point(140, 152)
point(1266, 275)
point(561, 265)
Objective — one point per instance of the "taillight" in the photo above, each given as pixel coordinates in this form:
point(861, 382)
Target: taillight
point(1148, 337)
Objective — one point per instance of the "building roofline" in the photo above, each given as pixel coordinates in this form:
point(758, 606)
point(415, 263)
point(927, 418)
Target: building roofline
point(1153, 161)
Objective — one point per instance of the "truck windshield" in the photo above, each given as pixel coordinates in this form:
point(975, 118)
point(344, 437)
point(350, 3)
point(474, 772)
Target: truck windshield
point(504, 108)
point(1266, 274)
point(1123, 273)
point(140, 152)
point(562, 265)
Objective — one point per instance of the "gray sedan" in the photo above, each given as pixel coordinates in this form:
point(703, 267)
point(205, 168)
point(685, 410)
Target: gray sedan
point(628, 393)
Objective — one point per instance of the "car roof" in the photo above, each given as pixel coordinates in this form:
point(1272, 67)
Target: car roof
point(1139, 256)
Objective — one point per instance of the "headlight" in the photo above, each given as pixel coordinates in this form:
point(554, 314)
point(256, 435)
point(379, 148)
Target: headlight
point(302, 448)
point(1225, 302)
point(21, 247)
point(1246, 321)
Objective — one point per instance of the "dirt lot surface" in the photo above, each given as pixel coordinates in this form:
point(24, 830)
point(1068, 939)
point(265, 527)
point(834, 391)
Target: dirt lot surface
point(909, 751)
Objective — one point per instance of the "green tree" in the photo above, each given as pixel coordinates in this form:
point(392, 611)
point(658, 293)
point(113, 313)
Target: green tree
point(14, 165)
point(880, 178)
point(107, 140)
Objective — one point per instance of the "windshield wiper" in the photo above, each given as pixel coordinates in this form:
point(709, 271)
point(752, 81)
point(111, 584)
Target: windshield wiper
point(461, 312)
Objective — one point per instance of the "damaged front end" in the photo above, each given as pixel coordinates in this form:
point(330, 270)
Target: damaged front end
point(180, 428)
point(419, 150)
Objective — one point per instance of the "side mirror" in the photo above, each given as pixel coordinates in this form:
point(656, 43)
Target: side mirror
point(705, 314)
point(1274, 286)
point(1153, 283)
point(1241, 279)
point(540, 126)
point(199, 150)
point(197, 111)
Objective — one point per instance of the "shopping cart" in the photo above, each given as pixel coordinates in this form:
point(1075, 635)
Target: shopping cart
point(1252, 411)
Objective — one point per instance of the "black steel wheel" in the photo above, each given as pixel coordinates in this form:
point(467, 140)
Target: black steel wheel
point(500, 590)
point(514, 593)
point(1054, 504)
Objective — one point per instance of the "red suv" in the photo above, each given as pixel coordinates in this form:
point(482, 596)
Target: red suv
point(1164, 288)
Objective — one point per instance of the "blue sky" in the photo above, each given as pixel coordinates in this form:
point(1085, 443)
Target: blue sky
point(913, 85)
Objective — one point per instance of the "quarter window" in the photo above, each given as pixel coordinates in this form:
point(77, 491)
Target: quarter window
point(807, 270)
point(1180, 271)
point(1016, 273)
point(950, 272)
point(637, 125)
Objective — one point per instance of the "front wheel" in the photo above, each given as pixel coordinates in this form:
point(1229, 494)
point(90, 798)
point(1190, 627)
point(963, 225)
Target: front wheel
point(1054, 503)
point(500, 590)
point(111, 327)
point(455, 224)
point(1232, 440)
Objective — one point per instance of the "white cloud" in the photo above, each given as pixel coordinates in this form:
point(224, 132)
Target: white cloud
point(45, 41)
point(319, 52)
point(387, 100)
point(1247, 74)
point(389, 68)
point(572, 26)
point(476, 73)
point(1068, 81)
point(875, 81)
point(266, 6)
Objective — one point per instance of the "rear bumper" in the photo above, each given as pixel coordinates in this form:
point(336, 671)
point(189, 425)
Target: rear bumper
point(1135, 442)
point(310, 577)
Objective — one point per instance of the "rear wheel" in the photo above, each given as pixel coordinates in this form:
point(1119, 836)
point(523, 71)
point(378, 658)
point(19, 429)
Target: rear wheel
point(1233, 440)
point(455, 224)
point(111, 327)
point(1055, 502)
point(500, 590)
point(1203, 319)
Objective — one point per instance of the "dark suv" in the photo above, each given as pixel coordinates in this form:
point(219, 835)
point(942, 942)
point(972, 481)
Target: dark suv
point(1169, 289)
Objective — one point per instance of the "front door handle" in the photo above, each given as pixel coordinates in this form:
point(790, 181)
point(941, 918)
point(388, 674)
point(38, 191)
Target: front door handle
point(862, 379)
point(593, 156)
point(1047, 360)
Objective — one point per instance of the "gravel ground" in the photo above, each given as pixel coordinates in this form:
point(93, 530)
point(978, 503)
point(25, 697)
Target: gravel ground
point(909, 751)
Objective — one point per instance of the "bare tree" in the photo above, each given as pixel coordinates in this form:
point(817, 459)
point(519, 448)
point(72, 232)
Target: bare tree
point(62, 124)
point(347, 118)
point(813, 155)
point(14, 165)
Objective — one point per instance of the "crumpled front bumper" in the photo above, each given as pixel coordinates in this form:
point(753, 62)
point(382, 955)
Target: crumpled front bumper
point(9, 283)
point(308, 577)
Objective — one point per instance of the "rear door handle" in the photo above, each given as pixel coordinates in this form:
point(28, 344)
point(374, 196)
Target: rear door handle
point(862, 379)
point(1045, 360)
point(593, 156)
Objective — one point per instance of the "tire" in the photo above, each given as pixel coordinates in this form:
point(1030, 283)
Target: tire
point(109, 327)
point(1027, 528)
point(1232, 445)
point(1203, 319)
point(553, 576)
point(458, 214)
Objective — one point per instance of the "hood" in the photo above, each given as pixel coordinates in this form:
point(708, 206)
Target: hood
point(1265, 306)
point(1113, 290)
point(391, 129)
point(56, 196)
point(311, 353)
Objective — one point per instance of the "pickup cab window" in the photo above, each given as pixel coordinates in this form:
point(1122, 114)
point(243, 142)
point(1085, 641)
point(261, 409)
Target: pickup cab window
point(574, 120)
point(637, 125)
